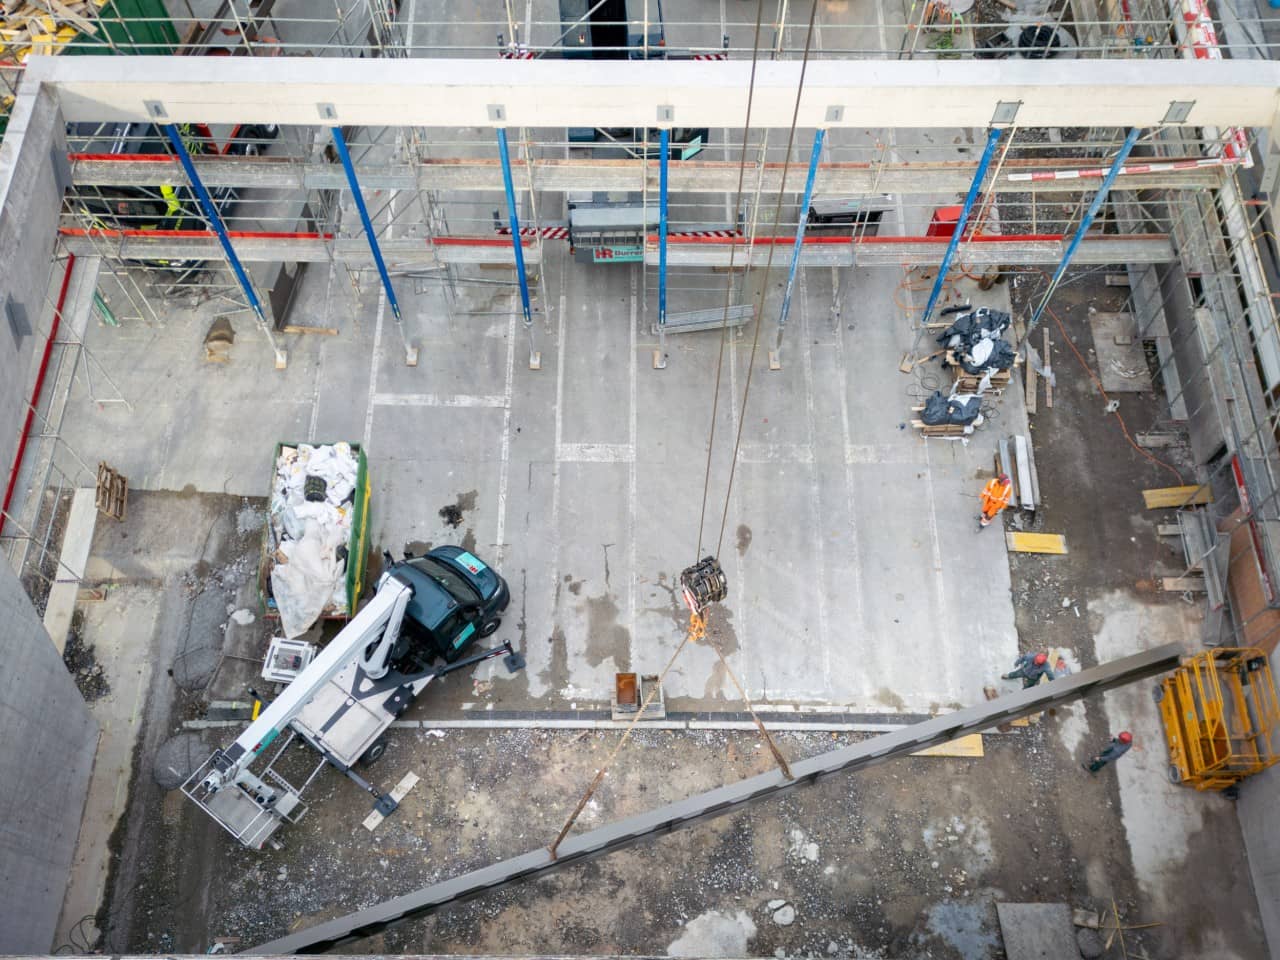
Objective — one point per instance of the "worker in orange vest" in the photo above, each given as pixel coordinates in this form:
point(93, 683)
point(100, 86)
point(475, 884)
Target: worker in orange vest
point(995, 497)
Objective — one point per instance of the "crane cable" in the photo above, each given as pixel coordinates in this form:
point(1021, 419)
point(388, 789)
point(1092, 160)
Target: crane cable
point(762, 295)
point(697, 619)
point(728, 285)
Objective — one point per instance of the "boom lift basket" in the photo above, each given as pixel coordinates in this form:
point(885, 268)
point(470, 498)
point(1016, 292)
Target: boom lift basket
point(1221, 717)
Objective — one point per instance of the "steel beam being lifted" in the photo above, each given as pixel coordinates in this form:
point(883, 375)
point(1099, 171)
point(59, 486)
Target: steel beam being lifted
point(562, 175)
point(637, 93)
point(723, 800)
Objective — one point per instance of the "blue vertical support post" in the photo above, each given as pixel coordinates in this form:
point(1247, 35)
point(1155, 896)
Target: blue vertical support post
point(993, 137)
point(215, 221)
point(513, 220)
point(340, 144)
point(1085, 222)
point(815, 155)
point(664, 150)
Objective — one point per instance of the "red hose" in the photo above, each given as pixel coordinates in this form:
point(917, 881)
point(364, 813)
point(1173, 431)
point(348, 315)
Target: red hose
point(35, 392)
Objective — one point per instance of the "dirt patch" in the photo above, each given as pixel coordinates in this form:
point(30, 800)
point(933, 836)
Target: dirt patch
point(79, 657)
point(453, 513)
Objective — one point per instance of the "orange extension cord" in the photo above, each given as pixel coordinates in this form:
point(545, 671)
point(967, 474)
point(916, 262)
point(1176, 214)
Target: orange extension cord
point(1098, 383)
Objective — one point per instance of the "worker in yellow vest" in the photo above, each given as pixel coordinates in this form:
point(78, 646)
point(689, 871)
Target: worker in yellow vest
point(172, 204)
point(994, 498)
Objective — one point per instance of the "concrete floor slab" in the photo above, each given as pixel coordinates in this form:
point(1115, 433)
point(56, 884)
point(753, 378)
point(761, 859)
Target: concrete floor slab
point(112, 626)
point(847, 538)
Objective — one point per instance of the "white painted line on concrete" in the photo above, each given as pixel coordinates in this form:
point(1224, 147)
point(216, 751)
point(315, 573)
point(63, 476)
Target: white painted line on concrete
point(504, 469)
point(375, 357)
point(816, 536)
point(935, 545)
point(315, 395)
point(741, 622)
point(554, 585)
point(775, 453)
point(633, 495)
point(595, 453)
point(589, 724)
point(441, 400)
point(855, 546)
point(862, 453)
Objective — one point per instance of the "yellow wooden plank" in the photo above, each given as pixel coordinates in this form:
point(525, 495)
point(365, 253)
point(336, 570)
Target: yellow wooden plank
point(1164, 497)
point(970, 745)
point(1036, 542)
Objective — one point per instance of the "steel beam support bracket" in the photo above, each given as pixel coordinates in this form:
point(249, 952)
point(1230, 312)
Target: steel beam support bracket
point(215, 222)
point(726, 799)
point(513, 221)
point(340, 144)
point(664, 152)
point(775, 355)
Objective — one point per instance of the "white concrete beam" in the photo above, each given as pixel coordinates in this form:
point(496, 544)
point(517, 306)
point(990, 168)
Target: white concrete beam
point(583, 93)
point(710, 176)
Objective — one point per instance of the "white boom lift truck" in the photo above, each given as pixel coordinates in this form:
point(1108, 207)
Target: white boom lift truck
point(426, 610)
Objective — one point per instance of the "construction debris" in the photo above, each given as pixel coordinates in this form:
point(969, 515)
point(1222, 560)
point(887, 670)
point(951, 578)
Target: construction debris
point(218, 341)
point(45, 27)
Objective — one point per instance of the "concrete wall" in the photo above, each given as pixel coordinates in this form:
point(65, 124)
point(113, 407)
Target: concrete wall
point(1259, 811)
point(30, 201)
point(49, 742)
point(1204, 413)
point(48, 735)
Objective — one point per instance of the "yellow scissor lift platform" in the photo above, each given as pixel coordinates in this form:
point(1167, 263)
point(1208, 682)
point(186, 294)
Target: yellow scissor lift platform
point(1221, 716)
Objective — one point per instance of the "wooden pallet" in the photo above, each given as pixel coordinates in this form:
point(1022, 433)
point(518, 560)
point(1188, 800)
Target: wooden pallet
point(112, 495)
point(968, 382)
point(952, 430)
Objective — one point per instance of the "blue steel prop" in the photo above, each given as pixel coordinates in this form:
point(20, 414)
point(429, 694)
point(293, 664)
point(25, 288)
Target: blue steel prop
point(215, 220)
point(664, 149)
point(814, 156)
point(993, 137)
point(514, 222)
point(340, 142)
point(1085, 223)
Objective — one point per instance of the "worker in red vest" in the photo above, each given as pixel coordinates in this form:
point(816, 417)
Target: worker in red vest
point(995, 497)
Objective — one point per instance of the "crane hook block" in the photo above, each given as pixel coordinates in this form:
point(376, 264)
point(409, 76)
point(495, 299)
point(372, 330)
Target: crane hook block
point(704, 583)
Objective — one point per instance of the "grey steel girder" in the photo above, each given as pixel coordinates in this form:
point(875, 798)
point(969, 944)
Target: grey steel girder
point(404, 253)
point(401, 253)
point(723, 800)
point(1092, 250)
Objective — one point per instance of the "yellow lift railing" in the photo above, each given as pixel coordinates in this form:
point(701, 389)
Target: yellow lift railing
point(1221, 716)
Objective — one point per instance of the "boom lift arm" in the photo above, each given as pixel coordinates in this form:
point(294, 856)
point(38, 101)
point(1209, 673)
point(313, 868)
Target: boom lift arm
point(377, 624)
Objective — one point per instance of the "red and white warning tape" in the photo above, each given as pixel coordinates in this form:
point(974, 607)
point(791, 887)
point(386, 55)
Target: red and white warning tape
point(707, 233)
point(711, 56)
point(1202, 40)
point(547, 233)
point(1098, 172)
point(518, 54)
